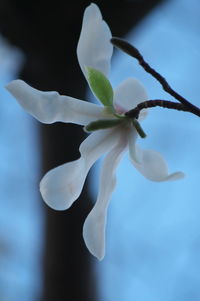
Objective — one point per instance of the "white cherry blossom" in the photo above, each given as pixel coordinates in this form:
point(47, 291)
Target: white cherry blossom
point(61, 186)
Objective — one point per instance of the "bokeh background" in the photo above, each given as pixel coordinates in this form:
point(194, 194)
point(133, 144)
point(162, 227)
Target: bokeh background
point(153, 231)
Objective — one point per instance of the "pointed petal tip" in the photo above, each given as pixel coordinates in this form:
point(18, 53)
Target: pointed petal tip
point(154, 167)
point(93, 7)
point(8, 85)
point(94, 48)
point(11, 86)
point(175, 176)
point(92, 243)
point(100, 258)
point(170, 177)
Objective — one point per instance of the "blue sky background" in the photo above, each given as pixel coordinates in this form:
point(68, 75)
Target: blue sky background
point(153, 232)
point(20, 214)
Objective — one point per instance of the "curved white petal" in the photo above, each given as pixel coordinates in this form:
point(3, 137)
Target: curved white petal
point(152, 166)
point(94, 47)
point(94, 226)
point(129, 94)
point(61, 186)
point(49, 107)
point(134, 154)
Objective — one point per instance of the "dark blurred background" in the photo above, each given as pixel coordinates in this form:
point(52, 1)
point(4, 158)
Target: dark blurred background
point(47, 34)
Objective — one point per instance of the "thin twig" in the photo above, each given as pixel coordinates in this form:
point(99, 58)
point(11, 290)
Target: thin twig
point(134, 113)
point(132, 51)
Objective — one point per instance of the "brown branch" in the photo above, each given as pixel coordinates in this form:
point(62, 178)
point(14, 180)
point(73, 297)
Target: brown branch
point(132, 51)
point(134, 113)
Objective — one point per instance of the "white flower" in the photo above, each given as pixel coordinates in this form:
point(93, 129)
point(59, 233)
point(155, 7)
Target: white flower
point(61, 186)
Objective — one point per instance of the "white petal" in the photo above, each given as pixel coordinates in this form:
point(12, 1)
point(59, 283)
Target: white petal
point(61, 186)
point(49, 107)
point(135, 155)
point(153, 166)
point(94, 47)
point(94, 226)
point(129, 94)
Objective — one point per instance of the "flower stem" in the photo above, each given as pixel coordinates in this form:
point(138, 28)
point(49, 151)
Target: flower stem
point(132, 51)
point(138, 128)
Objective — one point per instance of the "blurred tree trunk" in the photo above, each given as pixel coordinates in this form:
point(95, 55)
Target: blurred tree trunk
point(48, 33)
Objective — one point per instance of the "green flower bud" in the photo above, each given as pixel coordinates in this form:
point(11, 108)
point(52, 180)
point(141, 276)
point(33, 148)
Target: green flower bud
point(100, 86)
point(102, 124)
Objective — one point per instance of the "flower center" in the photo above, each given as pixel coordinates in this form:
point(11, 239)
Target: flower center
point(119, 109)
